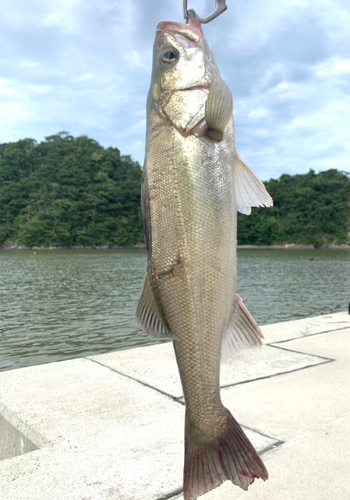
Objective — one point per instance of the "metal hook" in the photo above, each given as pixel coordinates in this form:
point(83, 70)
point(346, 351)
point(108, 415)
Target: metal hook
point(220, 7)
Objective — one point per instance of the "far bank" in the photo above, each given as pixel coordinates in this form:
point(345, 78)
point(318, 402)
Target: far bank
point(142, 246)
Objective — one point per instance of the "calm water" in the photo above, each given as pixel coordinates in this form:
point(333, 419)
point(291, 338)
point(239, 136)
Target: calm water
point(58, 305)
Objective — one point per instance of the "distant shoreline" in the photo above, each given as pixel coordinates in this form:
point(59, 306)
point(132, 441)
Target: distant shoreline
point(142, 246)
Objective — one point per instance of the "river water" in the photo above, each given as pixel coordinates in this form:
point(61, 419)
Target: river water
point(57, 305)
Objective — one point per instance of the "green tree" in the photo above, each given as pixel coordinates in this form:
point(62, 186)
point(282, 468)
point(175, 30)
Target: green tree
point(311, 209)
point(68, 191)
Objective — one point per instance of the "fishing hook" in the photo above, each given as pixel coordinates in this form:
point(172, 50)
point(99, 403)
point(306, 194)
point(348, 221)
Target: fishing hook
point(220, 7)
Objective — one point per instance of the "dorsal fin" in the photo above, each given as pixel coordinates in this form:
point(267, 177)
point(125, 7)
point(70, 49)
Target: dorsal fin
point(250, 191)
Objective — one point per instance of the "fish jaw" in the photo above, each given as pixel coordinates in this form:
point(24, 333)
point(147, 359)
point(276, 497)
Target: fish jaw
point(195, 65)
point(192, 30)
point(192, 69)
point(179, 91)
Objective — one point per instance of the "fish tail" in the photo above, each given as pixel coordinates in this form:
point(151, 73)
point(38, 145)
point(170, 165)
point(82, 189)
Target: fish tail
point(232, 457)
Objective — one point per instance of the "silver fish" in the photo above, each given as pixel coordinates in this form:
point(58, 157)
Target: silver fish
point(193, 183)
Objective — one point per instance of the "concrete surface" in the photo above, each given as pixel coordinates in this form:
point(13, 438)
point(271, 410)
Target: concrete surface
point(111, 426)
point(12, 441)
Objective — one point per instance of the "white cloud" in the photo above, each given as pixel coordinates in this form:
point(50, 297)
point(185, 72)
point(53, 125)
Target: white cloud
point(342, 66)
point(62, 13)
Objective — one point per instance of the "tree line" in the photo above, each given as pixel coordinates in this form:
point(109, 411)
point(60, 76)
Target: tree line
point(309, 209)
point(68, 191)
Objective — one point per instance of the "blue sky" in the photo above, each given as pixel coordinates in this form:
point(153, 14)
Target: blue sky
point(84, 67)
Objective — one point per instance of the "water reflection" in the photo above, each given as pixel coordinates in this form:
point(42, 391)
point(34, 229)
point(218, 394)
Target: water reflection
point(58, 305)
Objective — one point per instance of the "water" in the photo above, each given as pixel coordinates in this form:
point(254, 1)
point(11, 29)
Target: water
point(58, 305)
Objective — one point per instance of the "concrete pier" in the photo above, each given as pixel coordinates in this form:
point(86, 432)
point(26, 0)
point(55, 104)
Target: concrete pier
point(110, 427)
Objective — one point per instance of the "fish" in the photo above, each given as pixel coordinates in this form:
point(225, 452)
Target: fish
point(193, 183)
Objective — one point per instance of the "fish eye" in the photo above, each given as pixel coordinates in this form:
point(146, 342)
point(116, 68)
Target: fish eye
point(169, 57)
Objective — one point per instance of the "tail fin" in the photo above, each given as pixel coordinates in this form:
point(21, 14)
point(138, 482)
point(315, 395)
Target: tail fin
point(233, 458)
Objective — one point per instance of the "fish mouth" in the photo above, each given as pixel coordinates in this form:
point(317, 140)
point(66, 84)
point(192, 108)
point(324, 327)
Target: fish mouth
point(192, 31)
point(179, 29)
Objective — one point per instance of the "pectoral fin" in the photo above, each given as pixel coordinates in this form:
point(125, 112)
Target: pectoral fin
point(149, 317)
point(218, 109)
point(242, 332)
point(250, 191)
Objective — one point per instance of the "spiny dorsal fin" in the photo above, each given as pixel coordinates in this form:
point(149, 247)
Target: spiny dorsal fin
point(242, 332)
point(250, 191)
point(218, 109)
point(149, 317)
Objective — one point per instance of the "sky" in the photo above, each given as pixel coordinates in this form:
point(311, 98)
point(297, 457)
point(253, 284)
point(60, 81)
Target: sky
point(84, 66)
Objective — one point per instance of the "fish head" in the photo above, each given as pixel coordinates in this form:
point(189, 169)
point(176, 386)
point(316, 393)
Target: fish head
point(186, 85)
point(182, 58)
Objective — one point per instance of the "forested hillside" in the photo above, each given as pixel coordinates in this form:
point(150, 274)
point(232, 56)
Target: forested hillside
point(68, 191)
point(309, 209)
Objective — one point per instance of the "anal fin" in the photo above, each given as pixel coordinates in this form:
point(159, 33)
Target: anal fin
point(242, 332)
point(149, 317)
